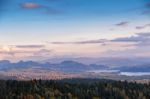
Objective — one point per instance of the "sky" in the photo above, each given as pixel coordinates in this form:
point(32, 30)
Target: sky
point(42, 29)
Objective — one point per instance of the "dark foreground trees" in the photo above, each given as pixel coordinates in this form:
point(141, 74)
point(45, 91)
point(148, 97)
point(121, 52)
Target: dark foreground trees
point(73, 89)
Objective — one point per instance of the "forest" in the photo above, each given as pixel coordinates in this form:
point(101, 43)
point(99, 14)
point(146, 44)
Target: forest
point(73, 89)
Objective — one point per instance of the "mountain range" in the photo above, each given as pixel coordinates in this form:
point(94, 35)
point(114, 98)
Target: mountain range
point(112, 62)
point(69, 66)
point(65, 66)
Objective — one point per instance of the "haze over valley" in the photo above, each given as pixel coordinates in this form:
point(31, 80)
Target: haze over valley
point(27, 70)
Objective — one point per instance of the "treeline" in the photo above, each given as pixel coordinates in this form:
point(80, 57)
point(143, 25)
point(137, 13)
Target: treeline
point(73, 89)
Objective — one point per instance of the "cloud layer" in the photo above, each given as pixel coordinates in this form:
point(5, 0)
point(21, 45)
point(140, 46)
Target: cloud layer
point(134, 45)
point(138, 38)
point(30, 46)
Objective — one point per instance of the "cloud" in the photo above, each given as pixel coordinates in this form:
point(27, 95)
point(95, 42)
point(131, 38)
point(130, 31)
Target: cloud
point(30, 5)
point(12, 52)
point(131, 45)
point(15, 53)
point(139, 37)
point(82, 42)
point(142, 27)
point(147, 6)
point(137, 45)
point(30, 46)
point(139, 40)
point(42, 52)
point(124, 23)
point(36, 6)
point(7, 53)
point(146, 12)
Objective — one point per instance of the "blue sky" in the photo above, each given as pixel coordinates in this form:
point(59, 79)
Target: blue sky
point(69, 10)
point(64, 24)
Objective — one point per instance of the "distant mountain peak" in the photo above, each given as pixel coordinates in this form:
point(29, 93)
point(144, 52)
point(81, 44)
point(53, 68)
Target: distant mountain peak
point(71, 63)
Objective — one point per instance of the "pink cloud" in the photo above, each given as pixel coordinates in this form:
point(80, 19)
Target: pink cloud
point(30, 5)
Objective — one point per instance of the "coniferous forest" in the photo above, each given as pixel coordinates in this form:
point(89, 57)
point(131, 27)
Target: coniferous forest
point(73, 89)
